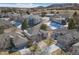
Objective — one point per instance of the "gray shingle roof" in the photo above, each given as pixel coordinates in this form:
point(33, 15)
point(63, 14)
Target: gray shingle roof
point(69, 38)
point(17, 40)
point(5, 23)
point(77, 44)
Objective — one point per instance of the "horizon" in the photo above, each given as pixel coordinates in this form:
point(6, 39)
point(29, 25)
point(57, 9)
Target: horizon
point(27, 5)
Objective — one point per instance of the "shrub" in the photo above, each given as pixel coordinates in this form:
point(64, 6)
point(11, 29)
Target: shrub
point(43, 27)
point(43, 14)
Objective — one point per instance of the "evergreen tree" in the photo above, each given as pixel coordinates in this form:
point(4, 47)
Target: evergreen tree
point(24, 25)
point(1, 29)
point(71, 24)
point(28, 12)
point(43, 14)
point(76, 18)
point(57, 12)
point(74, 14)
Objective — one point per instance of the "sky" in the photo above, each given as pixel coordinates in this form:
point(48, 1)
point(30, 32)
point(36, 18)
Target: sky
point(22, 5)
point(39, 1)
point(32, 3)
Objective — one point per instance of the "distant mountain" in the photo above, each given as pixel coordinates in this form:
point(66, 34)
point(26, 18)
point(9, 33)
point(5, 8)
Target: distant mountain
point(40, 7)
point(64, 5)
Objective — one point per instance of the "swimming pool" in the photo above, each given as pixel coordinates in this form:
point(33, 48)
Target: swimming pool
point(56, 25)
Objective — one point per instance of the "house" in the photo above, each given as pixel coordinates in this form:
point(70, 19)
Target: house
point(49, 15)
point(11, 29)
point(45, 19)
point(12, 41)
point(25, 51)
point(66, 38)
point(59, 19)
point(35, 34)
point(33, 20)
point(52, 50)
point(16, 23)
point(19, 40)
point(42, 45)
point(5, 23)
point(75, 49)
point(6, 19)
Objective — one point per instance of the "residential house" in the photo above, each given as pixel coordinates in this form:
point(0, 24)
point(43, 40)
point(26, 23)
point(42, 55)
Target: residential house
point(25, 51)
point(52, 50)
point(75, 49)
point(33, 20)
point(49, 15)
point(43, 45)
point(12, 41)
point(66, 39)
point(5, 23)
point(59, 19)
point(35, 34)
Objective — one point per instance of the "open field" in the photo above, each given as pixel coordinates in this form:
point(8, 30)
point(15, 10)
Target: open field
point(70, 12)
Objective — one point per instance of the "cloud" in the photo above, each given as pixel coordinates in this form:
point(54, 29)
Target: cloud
point(27, 5)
